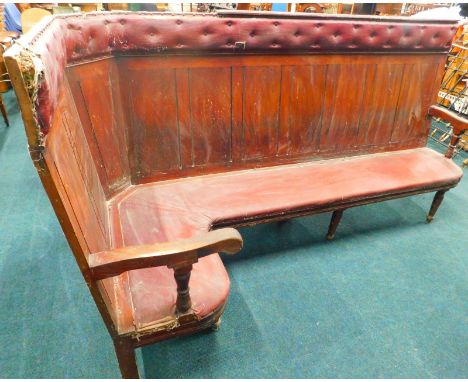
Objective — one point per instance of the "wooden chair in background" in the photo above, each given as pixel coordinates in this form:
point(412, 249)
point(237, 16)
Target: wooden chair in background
point(6, 40)
point(32, 16)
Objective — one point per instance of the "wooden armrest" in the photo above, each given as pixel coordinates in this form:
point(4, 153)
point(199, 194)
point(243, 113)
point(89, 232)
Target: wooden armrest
point(458, 123)
point(176, 254)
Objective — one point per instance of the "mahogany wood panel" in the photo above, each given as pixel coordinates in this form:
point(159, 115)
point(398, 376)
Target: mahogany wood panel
point(342, 108)
point(415, 98)
point(94, 194)
point(62, 193)
point(154, 135)
point(237, 115)
point(97, 97)
point(184, 122)
point(377, 121)
point(68, 155)
point(210, 115)
point(261, 110)
point(188, 115)
point(302, 108)
point(183, 103)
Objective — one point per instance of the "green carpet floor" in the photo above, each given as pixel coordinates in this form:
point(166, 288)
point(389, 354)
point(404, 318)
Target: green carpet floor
point(387, 298)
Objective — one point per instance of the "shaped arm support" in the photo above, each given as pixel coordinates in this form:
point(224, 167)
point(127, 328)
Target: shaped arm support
point(175, 254)
point(178, 255)
point(458, 123)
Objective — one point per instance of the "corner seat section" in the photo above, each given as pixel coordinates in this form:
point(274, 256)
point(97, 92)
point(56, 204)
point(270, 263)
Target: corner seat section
point(175, 209)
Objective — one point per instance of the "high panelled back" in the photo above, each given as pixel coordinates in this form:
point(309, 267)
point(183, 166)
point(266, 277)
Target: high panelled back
point(167, 116)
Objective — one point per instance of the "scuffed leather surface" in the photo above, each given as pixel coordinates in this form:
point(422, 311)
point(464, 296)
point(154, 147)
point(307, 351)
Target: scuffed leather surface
point(68, 39)
point(153, 291)
point(171, 210)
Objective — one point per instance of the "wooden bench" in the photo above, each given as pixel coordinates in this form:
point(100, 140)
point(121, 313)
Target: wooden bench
point(155, 134)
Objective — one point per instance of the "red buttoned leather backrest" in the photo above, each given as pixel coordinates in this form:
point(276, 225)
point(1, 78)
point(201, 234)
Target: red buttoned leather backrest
point(67, 39)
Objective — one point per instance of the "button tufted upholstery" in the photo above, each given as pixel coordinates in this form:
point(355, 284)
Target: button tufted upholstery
point(62, 40)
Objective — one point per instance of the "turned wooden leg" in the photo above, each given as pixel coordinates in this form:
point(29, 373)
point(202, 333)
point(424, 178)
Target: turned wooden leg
point(439, 196)
point(127, 360)
point(335, 220)
point(4, 113)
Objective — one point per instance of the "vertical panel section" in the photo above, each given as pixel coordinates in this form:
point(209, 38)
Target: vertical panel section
point(383, 85)
point(97, 97)
point(342, 106)
point(305, 107)
point(261, 101)
point(237, 97)
point(183, 111)
point(210, 111)
point(409, 103)
point(70, 123)
point(82, 155)
point(73, 168)
point(75, 225)
point(283, 144)
point(120, 127)
point(415, 98)
point(154, 130)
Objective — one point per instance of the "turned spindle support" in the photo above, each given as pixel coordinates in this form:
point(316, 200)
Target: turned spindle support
point(452, 145)
point(182, 277)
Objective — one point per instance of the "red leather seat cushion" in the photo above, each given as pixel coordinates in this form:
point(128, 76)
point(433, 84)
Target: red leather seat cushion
point(153, 291)
point(170, 210)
